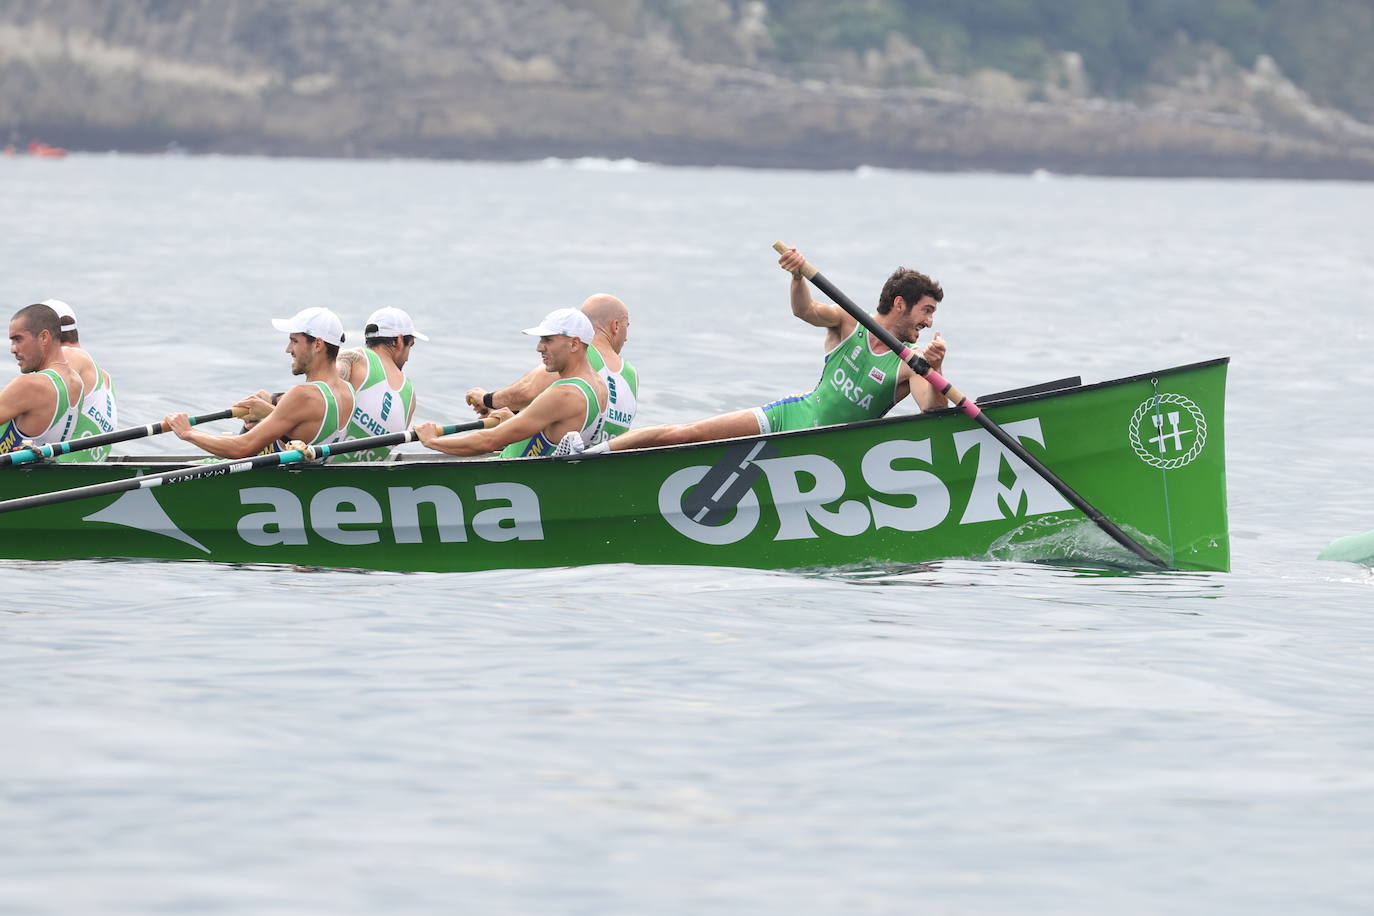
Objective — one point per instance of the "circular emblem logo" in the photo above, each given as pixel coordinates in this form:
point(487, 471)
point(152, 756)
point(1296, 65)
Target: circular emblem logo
point(1168, 431)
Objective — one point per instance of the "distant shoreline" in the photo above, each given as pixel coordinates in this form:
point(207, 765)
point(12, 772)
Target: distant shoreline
point(522, 80)
point(1176, 165)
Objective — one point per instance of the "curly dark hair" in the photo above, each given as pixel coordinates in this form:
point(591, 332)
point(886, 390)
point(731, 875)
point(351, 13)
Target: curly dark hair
point(911, 285)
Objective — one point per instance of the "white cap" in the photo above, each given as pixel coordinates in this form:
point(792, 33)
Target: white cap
point(391, 322)
point(317, 322)
point(65, 316)
point(569, 322)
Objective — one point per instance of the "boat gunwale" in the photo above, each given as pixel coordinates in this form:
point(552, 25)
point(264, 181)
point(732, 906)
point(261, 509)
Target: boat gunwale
point(401, 460)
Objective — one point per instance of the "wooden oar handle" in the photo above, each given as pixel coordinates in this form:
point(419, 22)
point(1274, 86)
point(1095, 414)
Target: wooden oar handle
point(808, 269)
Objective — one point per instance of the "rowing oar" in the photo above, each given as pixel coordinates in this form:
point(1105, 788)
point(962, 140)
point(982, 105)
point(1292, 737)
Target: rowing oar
point(39, 452)
point(966, 404)
point(232, 466)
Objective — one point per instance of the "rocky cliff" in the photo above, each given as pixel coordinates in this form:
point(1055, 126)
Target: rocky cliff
point(525, 78)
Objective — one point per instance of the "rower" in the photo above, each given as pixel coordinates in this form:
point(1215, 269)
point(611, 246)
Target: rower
point(861, 380)
point(40, 407)
point(611, 322)
point(568, 413)
point(314, 413)
point(385, 400)
point(96, 414)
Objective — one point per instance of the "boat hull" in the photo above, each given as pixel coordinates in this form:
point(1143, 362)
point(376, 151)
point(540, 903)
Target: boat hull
point(1353, 548)
point(1147, 451)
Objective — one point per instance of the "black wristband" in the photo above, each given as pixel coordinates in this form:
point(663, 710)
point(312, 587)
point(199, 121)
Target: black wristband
point(486, 401)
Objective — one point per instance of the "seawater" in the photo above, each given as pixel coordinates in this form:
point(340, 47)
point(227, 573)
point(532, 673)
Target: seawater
point(957, 737)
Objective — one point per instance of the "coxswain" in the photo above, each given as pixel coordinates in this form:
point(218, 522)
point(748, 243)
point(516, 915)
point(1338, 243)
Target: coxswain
point(861, 380)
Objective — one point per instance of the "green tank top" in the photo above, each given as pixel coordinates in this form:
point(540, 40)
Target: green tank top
point(331, 428)
point(855, 384)
point(622, 393)
point(97, 415)
point(378, 409)
point(59, 429)
point(539, 446)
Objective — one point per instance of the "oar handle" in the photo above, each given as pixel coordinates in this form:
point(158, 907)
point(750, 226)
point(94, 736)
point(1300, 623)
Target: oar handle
point(231, 466)
point(1009, 442)
point(915, 360)
point(52, 450)
point(808, 270)
point(320, 452)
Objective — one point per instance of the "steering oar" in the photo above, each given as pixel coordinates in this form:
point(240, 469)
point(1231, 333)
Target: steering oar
point(966, 404)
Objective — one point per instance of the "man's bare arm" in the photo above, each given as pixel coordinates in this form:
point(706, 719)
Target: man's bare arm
point(922, 392)
point(19, 397)
point(294, 408)
point(518, 395)
point(544, 411)
point(803, 306)
point(351, 363)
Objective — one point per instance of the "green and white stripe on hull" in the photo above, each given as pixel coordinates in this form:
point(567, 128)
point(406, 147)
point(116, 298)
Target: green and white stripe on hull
point(1147, 451)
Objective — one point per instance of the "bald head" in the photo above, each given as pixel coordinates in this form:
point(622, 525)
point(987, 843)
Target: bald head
point(610, 317)
point(604, 308)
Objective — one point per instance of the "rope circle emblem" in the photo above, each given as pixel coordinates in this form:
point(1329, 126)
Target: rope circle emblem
point(1170, 433)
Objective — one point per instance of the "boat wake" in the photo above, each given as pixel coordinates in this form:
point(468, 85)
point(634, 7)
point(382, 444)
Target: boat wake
point(1076, 541)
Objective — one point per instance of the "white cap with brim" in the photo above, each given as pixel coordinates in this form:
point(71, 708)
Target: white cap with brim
point(391, 322)
point(317, 322)
point(65, 316)
point(569, 322)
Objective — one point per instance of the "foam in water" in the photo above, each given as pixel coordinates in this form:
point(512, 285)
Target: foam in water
point(1051, 538)
point(595, 164)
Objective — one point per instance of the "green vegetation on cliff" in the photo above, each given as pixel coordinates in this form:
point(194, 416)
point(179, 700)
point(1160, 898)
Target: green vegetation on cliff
point(1322, 45)
point(1138, 87)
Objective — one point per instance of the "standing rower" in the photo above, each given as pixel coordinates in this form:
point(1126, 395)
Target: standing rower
point(39, 407)
point(96, 414)
point(314, 413)
point(385, 401)
point(611, 325)
point(566, 414)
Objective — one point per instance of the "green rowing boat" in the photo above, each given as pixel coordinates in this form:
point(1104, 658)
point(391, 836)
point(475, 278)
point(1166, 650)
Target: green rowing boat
point(1148, 452)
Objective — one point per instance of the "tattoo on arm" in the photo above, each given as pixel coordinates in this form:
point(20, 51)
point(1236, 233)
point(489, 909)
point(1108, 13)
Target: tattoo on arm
point(345, 363)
